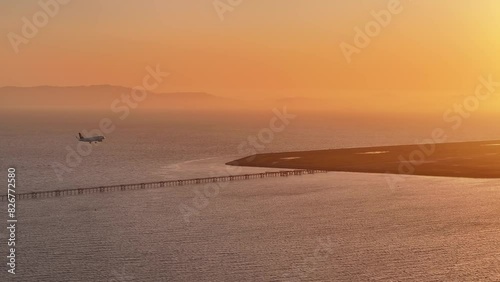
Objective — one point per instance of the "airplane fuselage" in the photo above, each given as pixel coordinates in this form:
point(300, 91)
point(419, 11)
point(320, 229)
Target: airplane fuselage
point(94, 139)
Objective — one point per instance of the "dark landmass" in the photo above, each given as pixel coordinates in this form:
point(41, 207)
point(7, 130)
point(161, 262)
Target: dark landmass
point(102, 97)
point(99, 97)
point(467, 159)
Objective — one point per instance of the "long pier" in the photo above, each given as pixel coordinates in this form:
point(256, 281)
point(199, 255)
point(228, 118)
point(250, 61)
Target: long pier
point(158, 184)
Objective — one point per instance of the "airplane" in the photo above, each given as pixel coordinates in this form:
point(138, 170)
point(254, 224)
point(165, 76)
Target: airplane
point(94, 139)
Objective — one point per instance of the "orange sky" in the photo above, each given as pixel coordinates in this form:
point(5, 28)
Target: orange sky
point(432, 51)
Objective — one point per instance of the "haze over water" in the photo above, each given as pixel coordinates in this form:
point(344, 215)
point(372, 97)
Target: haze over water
point(155, 146)
point(188, 86)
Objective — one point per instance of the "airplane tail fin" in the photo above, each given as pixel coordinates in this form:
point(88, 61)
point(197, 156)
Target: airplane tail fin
point(80, 135)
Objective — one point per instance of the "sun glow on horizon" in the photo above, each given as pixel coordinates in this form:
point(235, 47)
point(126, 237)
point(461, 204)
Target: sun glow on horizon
point(427, 55)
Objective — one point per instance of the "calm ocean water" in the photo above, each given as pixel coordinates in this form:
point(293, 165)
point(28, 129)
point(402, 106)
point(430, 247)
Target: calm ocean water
point(331, 227)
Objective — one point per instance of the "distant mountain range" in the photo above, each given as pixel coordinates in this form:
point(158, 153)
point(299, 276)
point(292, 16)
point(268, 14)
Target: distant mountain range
point(102, 97)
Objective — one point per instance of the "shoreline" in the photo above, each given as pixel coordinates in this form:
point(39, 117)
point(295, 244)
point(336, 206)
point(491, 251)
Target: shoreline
point(478, 159)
